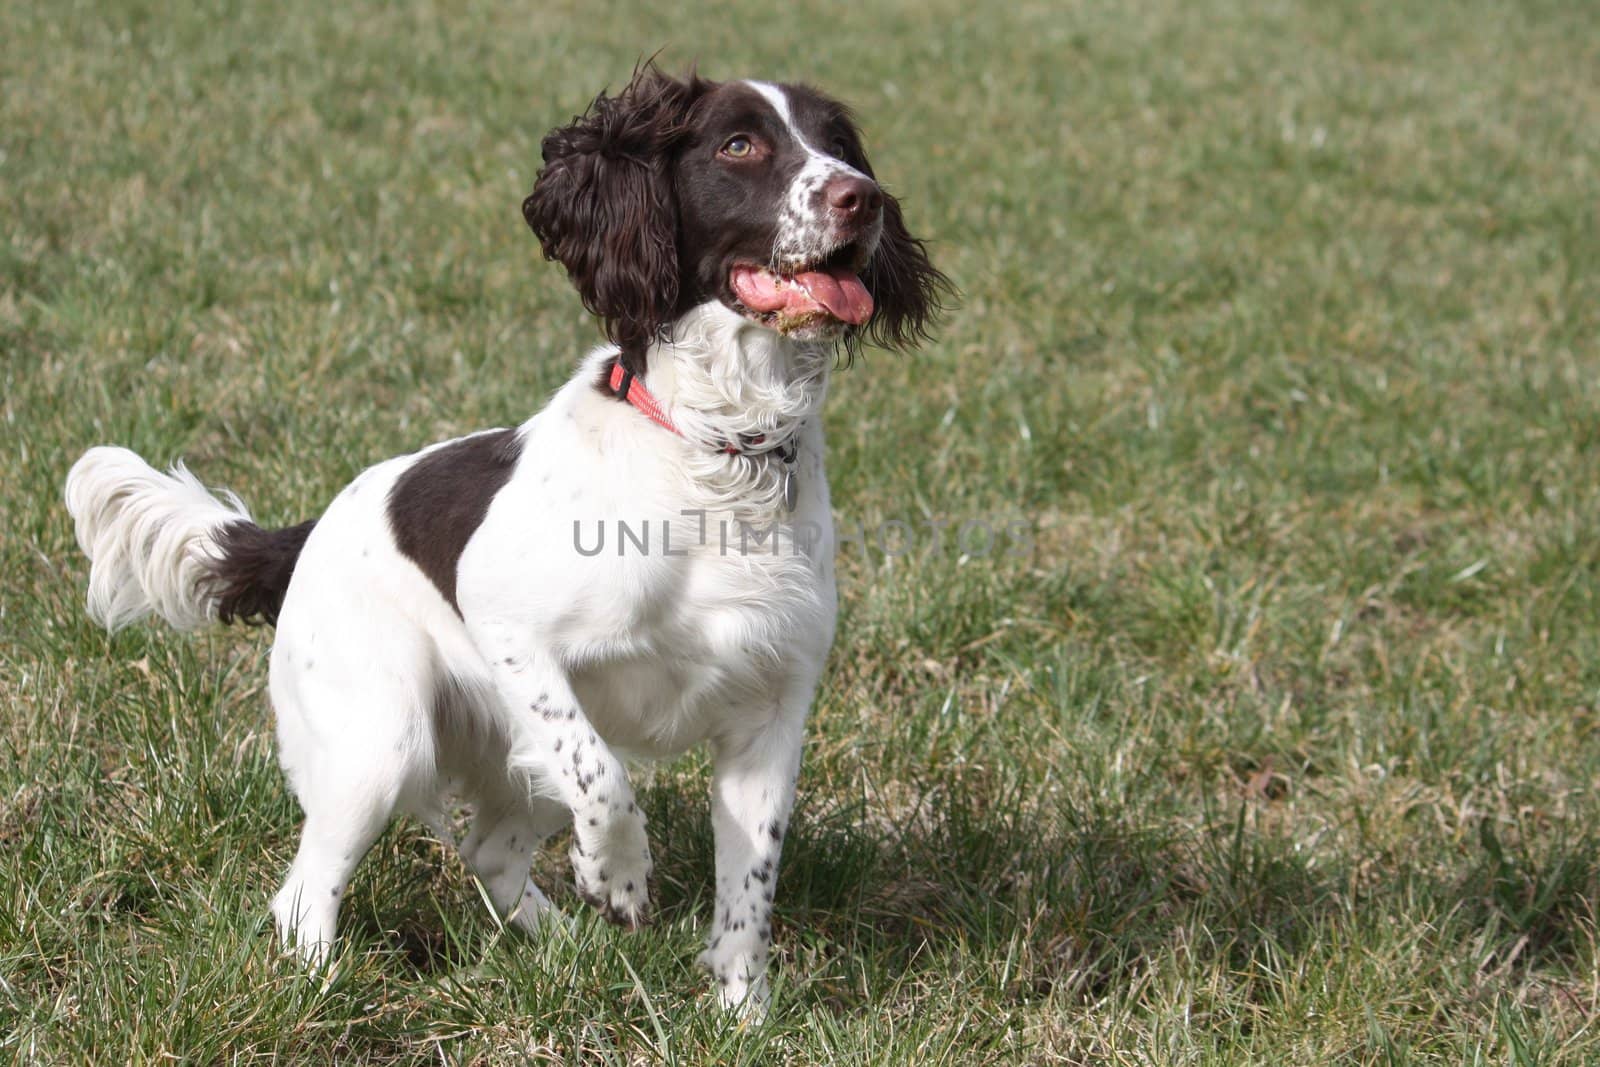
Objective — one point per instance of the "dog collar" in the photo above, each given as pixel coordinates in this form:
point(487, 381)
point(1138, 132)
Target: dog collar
point(628, 387)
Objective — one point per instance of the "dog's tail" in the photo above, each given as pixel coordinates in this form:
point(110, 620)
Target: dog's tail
point(162, 543)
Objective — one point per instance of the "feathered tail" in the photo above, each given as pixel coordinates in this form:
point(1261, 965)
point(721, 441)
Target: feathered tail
point(163, 543)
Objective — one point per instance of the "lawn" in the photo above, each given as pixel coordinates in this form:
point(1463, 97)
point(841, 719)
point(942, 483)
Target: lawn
point(1273, 739)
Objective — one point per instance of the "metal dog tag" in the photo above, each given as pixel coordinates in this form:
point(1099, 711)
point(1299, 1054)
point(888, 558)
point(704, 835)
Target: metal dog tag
point(791, 487)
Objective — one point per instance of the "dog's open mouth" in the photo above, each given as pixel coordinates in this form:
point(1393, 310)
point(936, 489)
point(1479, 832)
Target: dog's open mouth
point(828, 290)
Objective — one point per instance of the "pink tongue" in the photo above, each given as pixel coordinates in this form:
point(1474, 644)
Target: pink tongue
point(840, 291)
point(836, 291)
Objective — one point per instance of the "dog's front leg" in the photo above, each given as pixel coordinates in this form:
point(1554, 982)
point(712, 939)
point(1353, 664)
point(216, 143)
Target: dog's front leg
point(752, 793)
point(554, 742)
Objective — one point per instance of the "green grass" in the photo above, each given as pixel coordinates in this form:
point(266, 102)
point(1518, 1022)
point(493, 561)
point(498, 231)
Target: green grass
point(1280, 329)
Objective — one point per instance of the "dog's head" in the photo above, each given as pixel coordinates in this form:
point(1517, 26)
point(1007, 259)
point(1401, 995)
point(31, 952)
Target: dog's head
point(675, 192)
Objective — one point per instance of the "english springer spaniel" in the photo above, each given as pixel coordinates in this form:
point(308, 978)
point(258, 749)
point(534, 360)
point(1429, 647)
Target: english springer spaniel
point(442, 630)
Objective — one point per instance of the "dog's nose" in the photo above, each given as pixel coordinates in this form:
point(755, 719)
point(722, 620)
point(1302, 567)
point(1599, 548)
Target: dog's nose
point(855, 199)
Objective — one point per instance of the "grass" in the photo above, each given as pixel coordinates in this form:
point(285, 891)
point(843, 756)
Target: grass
point(1280, 333)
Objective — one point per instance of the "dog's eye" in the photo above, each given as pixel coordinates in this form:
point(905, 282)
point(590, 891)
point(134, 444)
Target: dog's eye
point(838, 148)
point(738, 147)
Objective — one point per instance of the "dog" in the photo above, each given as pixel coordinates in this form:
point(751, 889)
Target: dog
point(443, 632)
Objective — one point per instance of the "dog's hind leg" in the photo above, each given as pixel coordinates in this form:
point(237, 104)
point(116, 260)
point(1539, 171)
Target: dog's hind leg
point(332, 842)
point(353, 711)
point(506, 830)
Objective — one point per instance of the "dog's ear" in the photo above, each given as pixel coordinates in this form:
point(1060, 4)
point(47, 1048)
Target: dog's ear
point(603, 206)
point(908, 291)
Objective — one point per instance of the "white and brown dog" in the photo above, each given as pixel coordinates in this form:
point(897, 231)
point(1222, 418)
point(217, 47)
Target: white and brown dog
point(440, 631)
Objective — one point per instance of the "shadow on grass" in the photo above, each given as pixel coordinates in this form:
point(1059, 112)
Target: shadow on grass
point(1079, 910)
point(966, 869)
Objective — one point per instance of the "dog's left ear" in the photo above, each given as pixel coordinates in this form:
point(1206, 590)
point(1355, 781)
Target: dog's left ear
point(908, 291)
point(603, 206)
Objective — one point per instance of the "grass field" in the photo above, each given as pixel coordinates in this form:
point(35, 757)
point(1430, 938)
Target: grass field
point(1280, 330)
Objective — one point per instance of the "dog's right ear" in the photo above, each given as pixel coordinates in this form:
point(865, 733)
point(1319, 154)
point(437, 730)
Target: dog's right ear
point(603, 206)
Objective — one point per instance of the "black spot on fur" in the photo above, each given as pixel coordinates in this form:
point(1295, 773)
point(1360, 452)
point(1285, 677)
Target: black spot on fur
point(251, 573)
point(441, 499)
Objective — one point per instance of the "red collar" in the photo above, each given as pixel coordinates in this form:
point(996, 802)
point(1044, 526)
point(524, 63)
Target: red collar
point(631, 389)
point(626, 386)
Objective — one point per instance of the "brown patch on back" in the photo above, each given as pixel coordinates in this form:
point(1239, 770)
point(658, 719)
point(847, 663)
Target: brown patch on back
point(441, 499)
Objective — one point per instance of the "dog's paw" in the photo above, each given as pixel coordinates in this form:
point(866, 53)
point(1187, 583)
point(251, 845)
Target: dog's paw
point(749, 1003)
point(740, 983)
point(305, 927)
point(534, 914)
point(615, 877)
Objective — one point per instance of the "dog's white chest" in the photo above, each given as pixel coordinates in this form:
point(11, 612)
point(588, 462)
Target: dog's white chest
point(669, 616)
point(666, 648)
